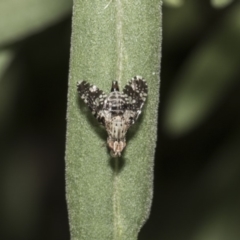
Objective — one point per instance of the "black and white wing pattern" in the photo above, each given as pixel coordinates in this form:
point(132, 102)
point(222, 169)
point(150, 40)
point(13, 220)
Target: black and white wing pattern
point(92, 96)
point(116, 111)
point(137, 91)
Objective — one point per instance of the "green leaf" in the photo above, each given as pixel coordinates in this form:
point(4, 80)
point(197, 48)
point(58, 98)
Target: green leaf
point(220, 3)
point(6, 57)
point(112, 40)
point(174, 3)
point(6, 85)
point(19, 18)
point(219, 182)
point(205, 78)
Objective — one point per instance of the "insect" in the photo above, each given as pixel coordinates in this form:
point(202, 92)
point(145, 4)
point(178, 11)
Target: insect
point(116, 111)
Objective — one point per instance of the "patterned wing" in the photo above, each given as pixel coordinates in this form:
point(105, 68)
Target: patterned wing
point(137, 91)
point(92, 96)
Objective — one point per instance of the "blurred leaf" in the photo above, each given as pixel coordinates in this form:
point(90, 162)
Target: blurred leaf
point(20, 191)
point(174, 3)
point(111, 198)
point(220, 183)
point(206, 77)
point(221, 225)
point(6, 57)
point(6, 87)
point(19, 18)
point(221, 3)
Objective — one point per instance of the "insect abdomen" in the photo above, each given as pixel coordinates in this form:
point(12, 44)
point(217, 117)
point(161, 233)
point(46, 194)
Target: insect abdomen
point(117, 128)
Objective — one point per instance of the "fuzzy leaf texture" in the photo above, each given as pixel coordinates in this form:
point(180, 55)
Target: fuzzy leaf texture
point(110, 198)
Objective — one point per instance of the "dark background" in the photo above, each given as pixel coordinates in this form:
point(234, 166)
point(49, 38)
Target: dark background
point(197, 169)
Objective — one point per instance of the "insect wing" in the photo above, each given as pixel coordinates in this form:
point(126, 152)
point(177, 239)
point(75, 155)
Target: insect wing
point(92, 96)
point(137, 91)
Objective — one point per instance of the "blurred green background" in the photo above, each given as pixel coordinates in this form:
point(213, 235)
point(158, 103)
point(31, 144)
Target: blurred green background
point(197, 166)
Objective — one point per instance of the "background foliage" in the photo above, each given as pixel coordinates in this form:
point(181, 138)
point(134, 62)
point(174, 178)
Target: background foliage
point(197, 160)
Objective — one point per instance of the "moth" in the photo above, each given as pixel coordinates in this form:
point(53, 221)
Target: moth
point(116, 111)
